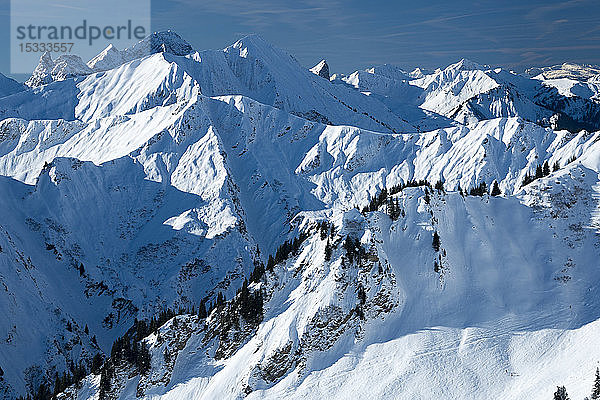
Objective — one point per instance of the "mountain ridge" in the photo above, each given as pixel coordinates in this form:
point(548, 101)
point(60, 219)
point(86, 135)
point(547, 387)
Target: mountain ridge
point(221, 178)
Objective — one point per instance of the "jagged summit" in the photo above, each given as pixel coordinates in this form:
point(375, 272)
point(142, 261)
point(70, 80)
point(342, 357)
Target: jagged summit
point(69, 65)
point(158, 42)
point(162, 42)
point(419, 73)
point(321, 69)
point(467, 65)
point(64, 67)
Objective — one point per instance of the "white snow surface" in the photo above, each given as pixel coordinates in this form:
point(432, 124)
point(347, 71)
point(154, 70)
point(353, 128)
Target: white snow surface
point(168, 173)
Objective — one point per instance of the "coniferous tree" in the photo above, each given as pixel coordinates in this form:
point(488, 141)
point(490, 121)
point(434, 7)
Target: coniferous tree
point(439, 185)
point(328, 251)
point(427, 198)
point(358, 249)
point(561, 393)
point(323, 230)
point(527, 179)
point(479, 190)
point(436, 241)
point(393, 209)
point(556, 166)
point(43, 393)
point(86, 330)
point(105, 377)
point(496, 189)
point(362, 295)
point(58, 382)
point(539, 173)
point(97, 362)
point(202, 310)
point(596, 389)
point(220, 299)
point(81, 269)
point(349, 247)
point(546, 169)
point(270, 263)
point(257, 273)
point(142, 358)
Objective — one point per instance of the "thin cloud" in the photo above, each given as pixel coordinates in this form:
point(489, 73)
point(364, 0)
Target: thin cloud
point(261, 14)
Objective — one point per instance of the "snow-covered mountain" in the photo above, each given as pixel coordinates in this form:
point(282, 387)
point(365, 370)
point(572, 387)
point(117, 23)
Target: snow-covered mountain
point(70, 65)
point(338, 229)
point(570, 79)
point(566, 70)
point(469, 92)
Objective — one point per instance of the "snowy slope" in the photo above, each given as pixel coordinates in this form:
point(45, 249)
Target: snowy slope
point(571, 88)
point(165, 175)
point(73, 215)
point(503, 305)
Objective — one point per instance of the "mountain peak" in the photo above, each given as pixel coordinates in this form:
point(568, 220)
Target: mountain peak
point(466, 65)
point(163, 42)
point(105, 59)
point(64, 67)
point(321, 69)
point(255, 44)
point(252, 39)
point(256, 47)
point(389, 71)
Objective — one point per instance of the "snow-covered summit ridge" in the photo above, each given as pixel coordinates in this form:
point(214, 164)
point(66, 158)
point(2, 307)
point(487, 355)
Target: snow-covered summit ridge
point(158, 42)
point(467, 92)
point(69, 65)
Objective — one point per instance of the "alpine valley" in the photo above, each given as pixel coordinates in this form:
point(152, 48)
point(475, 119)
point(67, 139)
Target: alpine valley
point(228, 224)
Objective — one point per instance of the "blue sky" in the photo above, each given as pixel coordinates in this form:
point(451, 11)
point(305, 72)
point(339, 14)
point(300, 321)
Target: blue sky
point(355, 34)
